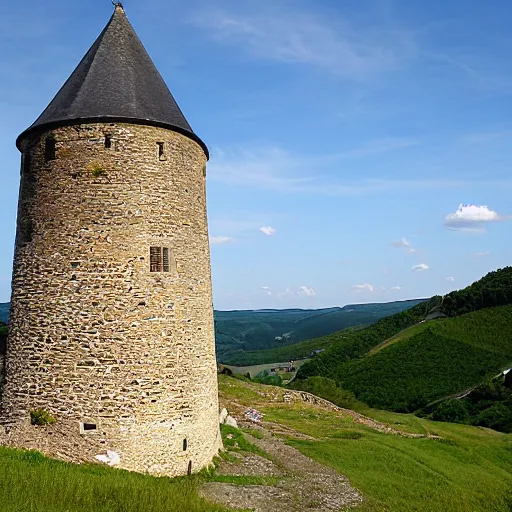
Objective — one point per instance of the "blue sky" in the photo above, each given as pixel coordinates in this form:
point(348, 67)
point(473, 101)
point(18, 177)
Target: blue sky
point(345, 136)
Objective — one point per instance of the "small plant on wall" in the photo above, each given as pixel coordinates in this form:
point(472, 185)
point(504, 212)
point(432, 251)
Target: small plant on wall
point(41, 417)
point(96, 169)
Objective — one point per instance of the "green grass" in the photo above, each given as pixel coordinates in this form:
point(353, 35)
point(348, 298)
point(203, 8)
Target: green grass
point(253, 432)
point(235, 440)
point(33, 483)
point(300, 350)
point(446, 357)
point(468, 470)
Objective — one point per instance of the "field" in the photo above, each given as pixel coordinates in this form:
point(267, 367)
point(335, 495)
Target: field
point(33, 483)
point(467, 469)
point(431, 467)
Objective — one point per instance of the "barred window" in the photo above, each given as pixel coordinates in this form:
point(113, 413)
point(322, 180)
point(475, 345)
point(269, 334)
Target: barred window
point(160, 259)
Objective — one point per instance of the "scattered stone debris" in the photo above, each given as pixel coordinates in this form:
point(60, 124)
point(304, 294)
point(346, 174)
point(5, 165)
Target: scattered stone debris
point(111, 458)
point(231, 422)
point(253, 415)
point(226, 419)
point(223, 415)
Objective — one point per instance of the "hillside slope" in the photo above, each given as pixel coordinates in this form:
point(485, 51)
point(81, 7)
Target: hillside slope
point(446, 357)
point(430, 467)
point(238, 332)
point(402, 364)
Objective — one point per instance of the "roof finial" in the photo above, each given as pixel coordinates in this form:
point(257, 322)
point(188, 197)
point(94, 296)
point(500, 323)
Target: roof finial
point(117, 4)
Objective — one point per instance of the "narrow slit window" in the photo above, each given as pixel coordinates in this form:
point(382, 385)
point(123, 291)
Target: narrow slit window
point(185, 445)
point(161, 150)
point(49, 149)
point(108, 141)
point(26, 161)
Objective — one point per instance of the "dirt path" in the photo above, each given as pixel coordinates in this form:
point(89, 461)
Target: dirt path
point(303, 483)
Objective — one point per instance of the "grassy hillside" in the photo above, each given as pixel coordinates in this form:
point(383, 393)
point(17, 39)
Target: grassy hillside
point(402, 365)
point(466, 469)
point(446, 357)
point(416, 311)
point(238, 332)
point(31, 482)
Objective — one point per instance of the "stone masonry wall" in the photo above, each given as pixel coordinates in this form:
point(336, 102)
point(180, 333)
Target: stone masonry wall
point(96, 337)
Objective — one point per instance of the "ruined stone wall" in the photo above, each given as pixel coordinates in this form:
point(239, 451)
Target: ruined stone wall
point(94, 336)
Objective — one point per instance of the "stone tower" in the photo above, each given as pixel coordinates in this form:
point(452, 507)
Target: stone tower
point(111, 324)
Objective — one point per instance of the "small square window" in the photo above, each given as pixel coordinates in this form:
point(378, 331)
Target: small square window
point(86, 428)
point(160, 259)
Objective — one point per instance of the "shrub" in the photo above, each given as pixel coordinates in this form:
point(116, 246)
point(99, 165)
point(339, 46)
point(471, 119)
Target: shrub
point(41, 417)
point(452, 410)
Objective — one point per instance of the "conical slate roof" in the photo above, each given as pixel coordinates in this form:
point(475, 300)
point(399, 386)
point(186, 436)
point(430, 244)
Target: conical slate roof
point(115, 81)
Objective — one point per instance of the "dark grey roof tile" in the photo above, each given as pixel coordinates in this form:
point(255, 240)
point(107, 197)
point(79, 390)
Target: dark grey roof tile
point(116, 81)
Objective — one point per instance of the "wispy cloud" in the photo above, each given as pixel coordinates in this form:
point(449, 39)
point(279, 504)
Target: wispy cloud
point(451, 279)
point(366, 287)
point(396, 288)
point(421, 267)
point(305, 291)
point(219, 240)
point(274, 168)
point(404, 244)
point(482, 254)
point(298, 36)
point(301, 291)
point(471, 217)
point(267, 290)
point(268, 230)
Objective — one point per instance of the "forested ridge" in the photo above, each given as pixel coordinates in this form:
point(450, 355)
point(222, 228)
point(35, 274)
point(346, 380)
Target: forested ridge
point(404, 363)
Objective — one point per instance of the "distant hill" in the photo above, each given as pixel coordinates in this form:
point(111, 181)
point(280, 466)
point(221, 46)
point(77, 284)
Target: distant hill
point(238, 332)
point(403, 363)
point(4, 312)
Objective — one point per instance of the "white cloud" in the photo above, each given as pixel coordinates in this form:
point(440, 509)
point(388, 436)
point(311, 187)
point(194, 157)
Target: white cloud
point(298, 36)
point(471, 217)
point(218, 240)
point(366, 287)
point(404, 244)
point(267, 290)
point(305, 291)
point(401, 243)
point(268, 230)
point(482, 254)
point(420, 267)
point(451, 279)
point(396, 288)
